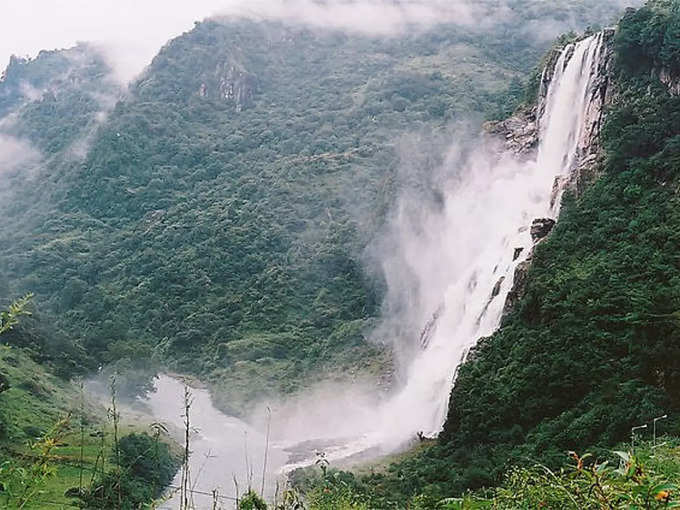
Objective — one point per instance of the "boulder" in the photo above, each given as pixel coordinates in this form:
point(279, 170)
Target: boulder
point(541, 227)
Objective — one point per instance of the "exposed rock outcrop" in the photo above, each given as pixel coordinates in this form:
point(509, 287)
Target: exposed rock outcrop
point(518, 286)
point(236, 85)
point(519, 132)
point(230, 83)
point(541, 227)
point(671, 80)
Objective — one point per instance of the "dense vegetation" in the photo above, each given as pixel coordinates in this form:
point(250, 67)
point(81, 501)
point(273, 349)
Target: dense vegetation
point(215, 218)
point(593, 347)
point(619, 480)
point(145, 466)
point(55, 443)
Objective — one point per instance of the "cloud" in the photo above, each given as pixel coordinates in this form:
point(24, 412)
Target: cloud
point(380, 17)
point(132, 32)
point(14, 153)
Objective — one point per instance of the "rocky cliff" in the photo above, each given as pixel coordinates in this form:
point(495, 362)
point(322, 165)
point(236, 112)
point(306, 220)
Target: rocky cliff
point(521, 134)
point(230, 83)
point(671, 79)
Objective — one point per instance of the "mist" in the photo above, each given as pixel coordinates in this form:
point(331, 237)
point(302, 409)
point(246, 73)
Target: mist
point(440, 251)
point(15, 152)
point(18, 157)
point(130, 33)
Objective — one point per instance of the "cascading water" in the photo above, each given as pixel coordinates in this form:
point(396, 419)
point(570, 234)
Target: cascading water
point(464, 260)
point(501, 201)
point(480, 239)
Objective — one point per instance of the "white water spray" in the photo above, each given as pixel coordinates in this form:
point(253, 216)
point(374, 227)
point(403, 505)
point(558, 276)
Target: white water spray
point(487, 221)
point(464, 261)
point(472, 249)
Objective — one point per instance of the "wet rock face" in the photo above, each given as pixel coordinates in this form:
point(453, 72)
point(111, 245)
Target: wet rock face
point(497, 288)
point(518, 287)
point(541, 227)
point(547, 76)
point(430, 327)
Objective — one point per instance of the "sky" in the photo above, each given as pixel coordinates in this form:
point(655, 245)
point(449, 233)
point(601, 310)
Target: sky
point(132, 31)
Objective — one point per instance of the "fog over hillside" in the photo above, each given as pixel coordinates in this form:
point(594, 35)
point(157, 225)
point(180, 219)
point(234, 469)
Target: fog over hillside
point(441, 233)
point(132, 32)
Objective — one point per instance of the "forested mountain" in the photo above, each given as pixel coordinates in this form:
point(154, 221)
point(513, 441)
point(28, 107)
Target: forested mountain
point(217, 216)
point(214, 217)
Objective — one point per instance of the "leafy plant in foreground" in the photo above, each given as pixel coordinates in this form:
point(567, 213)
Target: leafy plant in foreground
point(21, 484)
point(584, 485)
point(10, 317)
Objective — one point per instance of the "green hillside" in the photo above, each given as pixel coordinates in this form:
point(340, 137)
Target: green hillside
point(647, 477)
point(57, 442)
point(216, 220)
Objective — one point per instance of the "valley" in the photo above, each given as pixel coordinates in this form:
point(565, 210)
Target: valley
point(452, 247)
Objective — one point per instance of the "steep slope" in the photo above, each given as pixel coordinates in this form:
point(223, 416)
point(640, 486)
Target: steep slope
point(602, 293)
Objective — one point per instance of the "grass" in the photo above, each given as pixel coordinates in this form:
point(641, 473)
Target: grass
point(650, 479)
point(656, 469)
point(36, 401)
point(382, 464)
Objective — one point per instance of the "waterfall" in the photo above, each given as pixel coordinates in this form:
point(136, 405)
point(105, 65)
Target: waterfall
point(568, 109)
point(465, 258)
point(502, 198)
